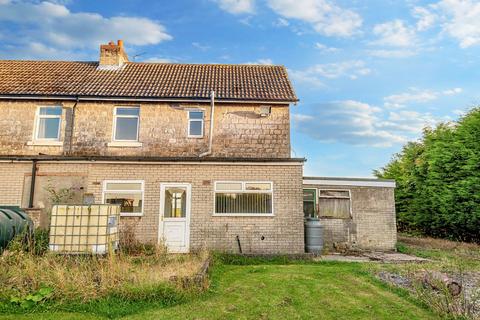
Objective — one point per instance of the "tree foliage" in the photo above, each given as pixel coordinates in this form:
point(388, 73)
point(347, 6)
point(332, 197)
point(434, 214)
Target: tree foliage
point(438, 181)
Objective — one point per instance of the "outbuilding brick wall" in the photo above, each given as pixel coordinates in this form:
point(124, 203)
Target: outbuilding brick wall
point(373, 222)
point(282, 233)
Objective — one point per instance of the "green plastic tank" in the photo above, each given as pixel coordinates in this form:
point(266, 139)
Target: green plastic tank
point(13, 221)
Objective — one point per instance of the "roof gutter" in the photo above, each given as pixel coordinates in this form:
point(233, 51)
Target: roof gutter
point(139, 99)
point(210, 136)
point(145, 159)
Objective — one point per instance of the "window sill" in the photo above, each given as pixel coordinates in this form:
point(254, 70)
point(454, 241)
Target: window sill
point(45, 143)
point(127, 214)
point(125, 144)
point(256, 215)
point(195, 137)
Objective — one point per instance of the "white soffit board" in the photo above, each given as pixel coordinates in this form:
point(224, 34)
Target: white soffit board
point(353, 182)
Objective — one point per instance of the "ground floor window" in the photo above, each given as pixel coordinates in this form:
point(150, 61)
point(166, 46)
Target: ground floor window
point(127, 193)
point(309, 202)
point(243, 198)
point(334, 204)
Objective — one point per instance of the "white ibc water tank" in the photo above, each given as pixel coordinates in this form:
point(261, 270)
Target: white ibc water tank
point(90, 229)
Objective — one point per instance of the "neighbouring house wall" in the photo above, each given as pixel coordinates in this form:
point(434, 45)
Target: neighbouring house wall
point(239, 130)
point(373, 222)
point(283, 233)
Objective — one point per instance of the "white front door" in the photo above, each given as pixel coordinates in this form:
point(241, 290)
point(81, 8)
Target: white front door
point(174, 229)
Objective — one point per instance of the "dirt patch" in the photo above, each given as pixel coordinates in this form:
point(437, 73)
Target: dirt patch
point(383, 257)
point(467, 303)
point(394, 257)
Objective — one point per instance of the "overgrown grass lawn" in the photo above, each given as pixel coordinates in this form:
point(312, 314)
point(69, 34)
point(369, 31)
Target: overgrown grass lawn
point(289, 291)
point(297, 291)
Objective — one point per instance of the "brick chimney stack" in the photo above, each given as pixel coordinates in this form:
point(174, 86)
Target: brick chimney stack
point(112, 56)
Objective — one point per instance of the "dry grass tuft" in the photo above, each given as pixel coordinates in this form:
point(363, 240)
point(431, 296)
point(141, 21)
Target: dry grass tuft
point(85, 277)
point(90, 277)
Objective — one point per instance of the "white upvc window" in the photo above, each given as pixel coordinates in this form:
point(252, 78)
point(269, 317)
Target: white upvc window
point(195, 123)
point(48, 123)
point(128, 194)
point(242, 198)
point(126, 124)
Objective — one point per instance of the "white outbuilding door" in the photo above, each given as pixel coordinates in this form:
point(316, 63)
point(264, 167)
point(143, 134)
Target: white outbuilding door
point(174, 228)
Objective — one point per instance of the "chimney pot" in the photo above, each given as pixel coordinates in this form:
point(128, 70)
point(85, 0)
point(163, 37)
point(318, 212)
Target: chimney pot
point(120, 43)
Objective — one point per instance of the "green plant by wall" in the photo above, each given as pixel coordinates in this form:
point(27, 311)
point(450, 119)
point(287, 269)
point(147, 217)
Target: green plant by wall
point(31, 300)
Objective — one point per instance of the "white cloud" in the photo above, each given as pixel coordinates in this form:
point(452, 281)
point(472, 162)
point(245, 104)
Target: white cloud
point(317, 73)
point(159, 60)
point(237, 6)
point(451, 92)
point(281, 22)
point(361, 124)
point(265, 61)
point(325, 16)
point(201, 47)
point(407, 122)
point(325, 48)
point(394, 34)
point(349, 122)
point(414, 95)
point(459, 112)
point(458, 18)
point(392, 53)
point(426, 18)
point(55, 27)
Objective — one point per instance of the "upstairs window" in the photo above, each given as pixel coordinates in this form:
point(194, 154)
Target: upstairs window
point(48, 123)
point(334, 204)
point(195, 124)
point(243, 198)
point(126, 124)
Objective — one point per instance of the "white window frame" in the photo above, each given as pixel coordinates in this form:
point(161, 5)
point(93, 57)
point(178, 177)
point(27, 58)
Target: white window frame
point(115, 116)
point(142, 191)
point(327, 197)
point(195, 120)
point(38, 116)
point(272, 214)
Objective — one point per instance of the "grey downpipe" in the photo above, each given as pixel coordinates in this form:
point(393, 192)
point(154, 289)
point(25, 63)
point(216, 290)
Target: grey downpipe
point(32, 183)
point(212, 113)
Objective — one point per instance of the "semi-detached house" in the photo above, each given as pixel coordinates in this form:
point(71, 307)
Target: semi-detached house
point(197, 156)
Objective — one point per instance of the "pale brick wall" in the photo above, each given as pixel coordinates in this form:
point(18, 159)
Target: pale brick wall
point(282, 233)
point(12, 181)
point(373, 223)
point(239, 131)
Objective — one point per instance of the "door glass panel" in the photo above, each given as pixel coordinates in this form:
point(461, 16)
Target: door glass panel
point(175, 202)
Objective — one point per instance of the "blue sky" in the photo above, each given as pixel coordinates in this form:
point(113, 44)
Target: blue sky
point(370, 74)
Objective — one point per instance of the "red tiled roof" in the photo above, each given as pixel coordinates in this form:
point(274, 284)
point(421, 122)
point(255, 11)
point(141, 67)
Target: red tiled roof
point(146, 80)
